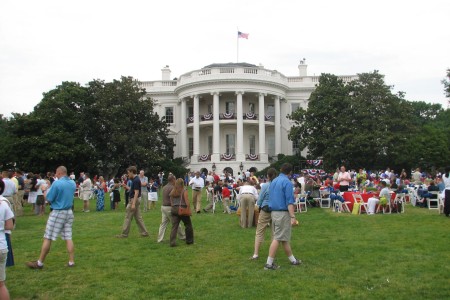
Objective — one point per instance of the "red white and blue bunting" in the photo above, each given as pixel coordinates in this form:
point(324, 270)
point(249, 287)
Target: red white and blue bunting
point(252, 156)
point(267, 117)
point(208, 117)
point(250, 116)
point(315, 163)
point(314, 172)
point(228, 115)
point(227, 156)
point(204, 157)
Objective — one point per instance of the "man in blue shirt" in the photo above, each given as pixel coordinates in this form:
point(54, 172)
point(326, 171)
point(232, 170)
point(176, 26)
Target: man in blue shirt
point(60, 220)
point(281, 205)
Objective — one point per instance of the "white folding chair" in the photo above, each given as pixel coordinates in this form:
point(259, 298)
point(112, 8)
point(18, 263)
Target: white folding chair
point(411, 196)
point(300, 201)
point(358, 199)
point(433, 203)
point(400, 201)
point(341, 206)
point(324, 199)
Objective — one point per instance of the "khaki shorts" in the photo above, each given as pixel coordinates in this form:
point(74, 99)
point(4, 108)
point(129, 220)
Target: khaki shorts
point(281, 222)
point(3, 256)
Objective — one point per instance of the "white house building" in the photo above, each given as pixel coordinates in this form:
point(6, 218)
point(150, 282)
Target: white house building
point(232, 115)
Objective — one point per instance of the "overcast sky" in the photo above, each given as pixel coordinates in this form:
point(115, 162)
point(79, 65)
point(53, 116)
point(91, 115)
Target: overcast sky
point(46, 42)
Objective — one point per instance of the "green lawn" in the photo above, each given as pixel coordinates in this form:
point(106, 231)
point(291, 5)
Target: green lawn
point(344, 257)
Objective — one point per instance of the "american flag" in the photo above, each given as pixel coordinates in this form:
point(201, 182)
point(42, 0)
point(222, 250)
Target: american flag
point(242, 35)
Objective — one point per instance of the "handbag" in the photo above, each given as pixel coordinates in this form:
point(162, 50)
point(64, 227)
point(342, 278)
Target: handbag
point(184, 211)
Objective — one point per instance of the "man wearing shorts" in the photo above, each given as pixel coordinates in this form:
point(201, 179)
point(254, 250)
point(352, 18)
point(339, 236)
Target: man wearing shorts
point(60, 196)
point(281, 205)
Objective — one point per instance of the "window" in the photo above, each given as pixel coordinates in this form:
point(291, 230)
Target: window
point(295, 147)
point(252, 144)
point(169, 115)
point(190, 111)
point(230, 144)
point(210, 144)
point(294, 107)
point(251, 108)
point(191, 147)
point(210, 108)
point(270, 110)
point(229, 107)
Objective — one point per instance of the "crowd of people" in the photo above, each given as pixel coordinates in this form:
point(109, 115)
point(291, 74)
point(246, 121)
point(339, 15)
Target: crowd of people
point(265, 202)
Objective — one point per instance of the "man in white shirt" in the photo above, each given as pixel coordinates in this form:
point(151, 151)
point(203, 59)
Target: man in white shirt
point(247, 197)
point(197, 183)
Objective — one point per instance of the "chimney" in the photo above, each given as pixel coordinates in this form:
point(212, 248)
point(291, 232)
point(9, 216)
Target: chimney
point(302, 68)
point(165, 73)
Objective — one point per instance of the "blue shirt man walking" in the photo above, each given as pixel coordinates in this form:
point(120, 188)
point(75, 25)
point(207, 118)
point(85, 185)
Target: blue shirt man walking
point(60, 220)
point(281, 204)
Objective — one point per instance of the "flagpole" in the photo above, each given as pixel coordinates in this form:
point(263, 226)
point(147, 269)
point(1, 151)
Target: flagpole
point(237, 43)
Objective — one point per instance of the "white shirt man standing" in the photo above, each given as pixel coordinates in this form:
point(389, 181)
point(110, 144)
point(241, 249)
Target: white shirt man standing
point(197, 183)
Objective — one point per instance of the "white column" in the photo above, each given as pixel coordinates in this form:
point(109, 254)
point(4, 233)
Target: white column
point(216, 128)
point(239, 129)
point(183, 138)
point(277, 126)
point(262, 129)
point(196, 128)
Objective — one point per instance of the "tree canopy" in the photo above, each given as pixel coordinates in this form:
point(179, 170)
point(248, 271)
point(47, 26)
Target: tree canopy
point(102, 127)
point(363, 124)
point(446, 83)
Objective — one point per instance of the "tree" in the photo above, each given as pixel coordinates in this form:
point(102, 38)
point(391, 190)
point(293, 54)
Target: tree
point(424, 113)
point(51, 135)
point(122, 129)
point(7, 157)
point(446, 83)
point(361, 124)
point(319, 127)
